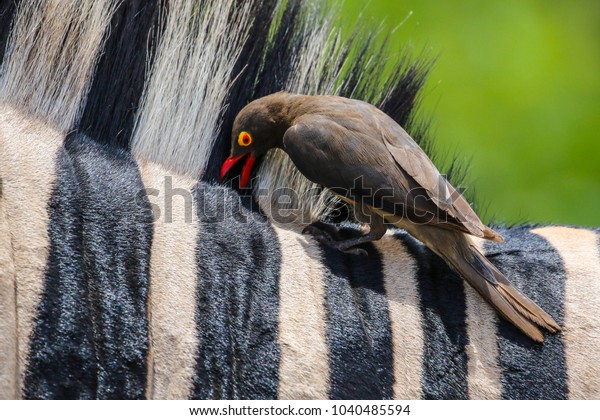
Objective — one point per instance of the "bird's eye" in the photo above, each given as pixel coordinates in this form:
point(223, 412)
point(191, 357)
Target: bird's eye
point(244, 139)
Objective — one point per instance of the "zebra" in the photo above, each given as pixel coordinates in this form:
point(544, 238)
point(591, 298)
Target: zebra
point(127, 271)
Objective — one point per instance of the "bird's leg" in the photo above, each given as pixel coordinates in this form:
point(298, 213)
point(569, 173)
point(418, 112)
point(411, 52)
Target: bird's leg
point(325, 234)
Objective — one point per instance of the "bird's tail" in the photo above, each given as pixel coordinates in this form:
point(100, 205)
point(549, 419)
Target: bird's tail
point(456, 249)
point(504, 296)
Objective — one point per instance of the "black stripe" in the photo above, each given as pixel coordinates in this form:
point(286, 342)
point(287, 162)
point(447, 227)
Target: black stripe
point(531, 370)
point(118, 81)
point(444, 324)
point(238, 300)
point(62, 361)
point(117, 235)
point(250, 76)
point(90, 339)
point(7, 14)
point(359, 332)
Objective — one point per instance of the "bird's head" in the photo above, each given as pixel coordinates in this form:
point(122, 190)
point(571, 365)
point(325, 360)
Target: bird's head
point(258, 127)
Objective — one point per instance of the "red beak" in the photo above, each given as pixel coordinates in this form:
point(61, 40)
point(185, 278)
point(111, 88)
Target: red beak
point(246, 171)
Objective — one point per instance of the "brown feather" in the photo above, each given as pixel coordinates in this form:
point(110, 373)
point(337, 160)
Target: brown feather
point(336, 141)
point(355, 132)
point(480, 273)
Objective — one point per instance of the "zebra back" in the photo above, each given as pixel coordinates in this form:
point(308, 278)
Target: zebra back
point(125, 272)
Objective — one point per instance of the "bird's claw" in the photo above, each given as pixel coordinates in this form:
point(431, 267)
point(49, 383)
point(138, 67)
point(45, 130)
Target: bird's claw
point(326, 239)
point(355, 251)
point(319, 234)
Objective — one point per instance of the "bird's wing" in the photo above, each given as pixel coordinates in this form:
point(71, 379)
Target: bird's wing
point(413, 160)
point(332, 155)
point(329, 155)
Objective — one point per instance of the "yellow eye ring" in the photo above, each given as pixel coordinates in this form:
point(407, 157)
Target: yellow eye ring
point(244, 139)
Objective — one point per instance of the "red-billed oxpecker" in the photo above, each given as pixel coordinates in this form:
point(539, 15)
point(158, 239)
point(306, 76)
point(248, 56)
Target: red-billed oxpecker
point(370, 162)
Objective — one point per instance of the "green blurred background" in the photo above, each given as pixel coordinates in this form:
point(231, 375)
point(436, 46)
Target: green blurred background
point(516, 87)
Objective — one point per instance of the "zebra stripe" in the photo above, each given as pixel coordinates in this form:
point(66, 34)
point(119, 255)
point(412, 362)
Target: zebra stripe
point(90, 339)
point(31, 146)
point(304, 368)
point(535, 267)
point(116, 88)
point(443, 313)
point(578, 250)
point(61, 359)
point(188, 83)
point(408, 341)
point(49, 74)
point(239, 265)
point(7, 12)
point(484, 374)
point(116, 245)
point(172, 313)
point(358, 330)
point(8, 304)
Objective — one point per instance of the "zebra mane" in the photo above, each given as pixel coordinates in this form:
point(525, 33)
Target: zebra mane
point(169, 78)
point(109, 109)
point(50, 57)
point(306, 53)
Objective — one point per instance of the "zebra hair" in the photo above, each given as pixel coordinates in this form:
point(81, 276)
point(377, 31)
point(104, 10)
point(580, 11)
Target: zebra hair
point(49, 75)
point(44, 79)
point(122, 275)
point(188, 83)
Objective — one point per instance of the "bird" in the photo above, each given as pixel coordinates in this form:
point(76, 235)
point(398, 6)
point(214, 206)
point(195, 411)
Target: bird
point(369, 161)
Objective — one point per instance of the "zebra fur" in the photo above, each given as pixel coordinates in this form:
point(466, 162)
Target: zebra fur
point(107, 290)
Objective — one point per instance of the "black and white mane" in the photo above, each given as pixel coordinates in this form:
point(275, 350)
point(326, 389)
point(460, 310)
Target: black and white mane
point(127, 271)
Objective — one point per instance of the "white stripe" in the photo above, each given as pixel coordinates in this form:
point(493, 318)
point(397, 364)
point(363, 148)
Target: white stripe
point(484, 373)
point(30, 147)
point(304, 363)
point(51, 55)
point(8, 307)
point(45, 73)
point(172, 289)
point(578, 249)
point(401, 285)
point(179, 116)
